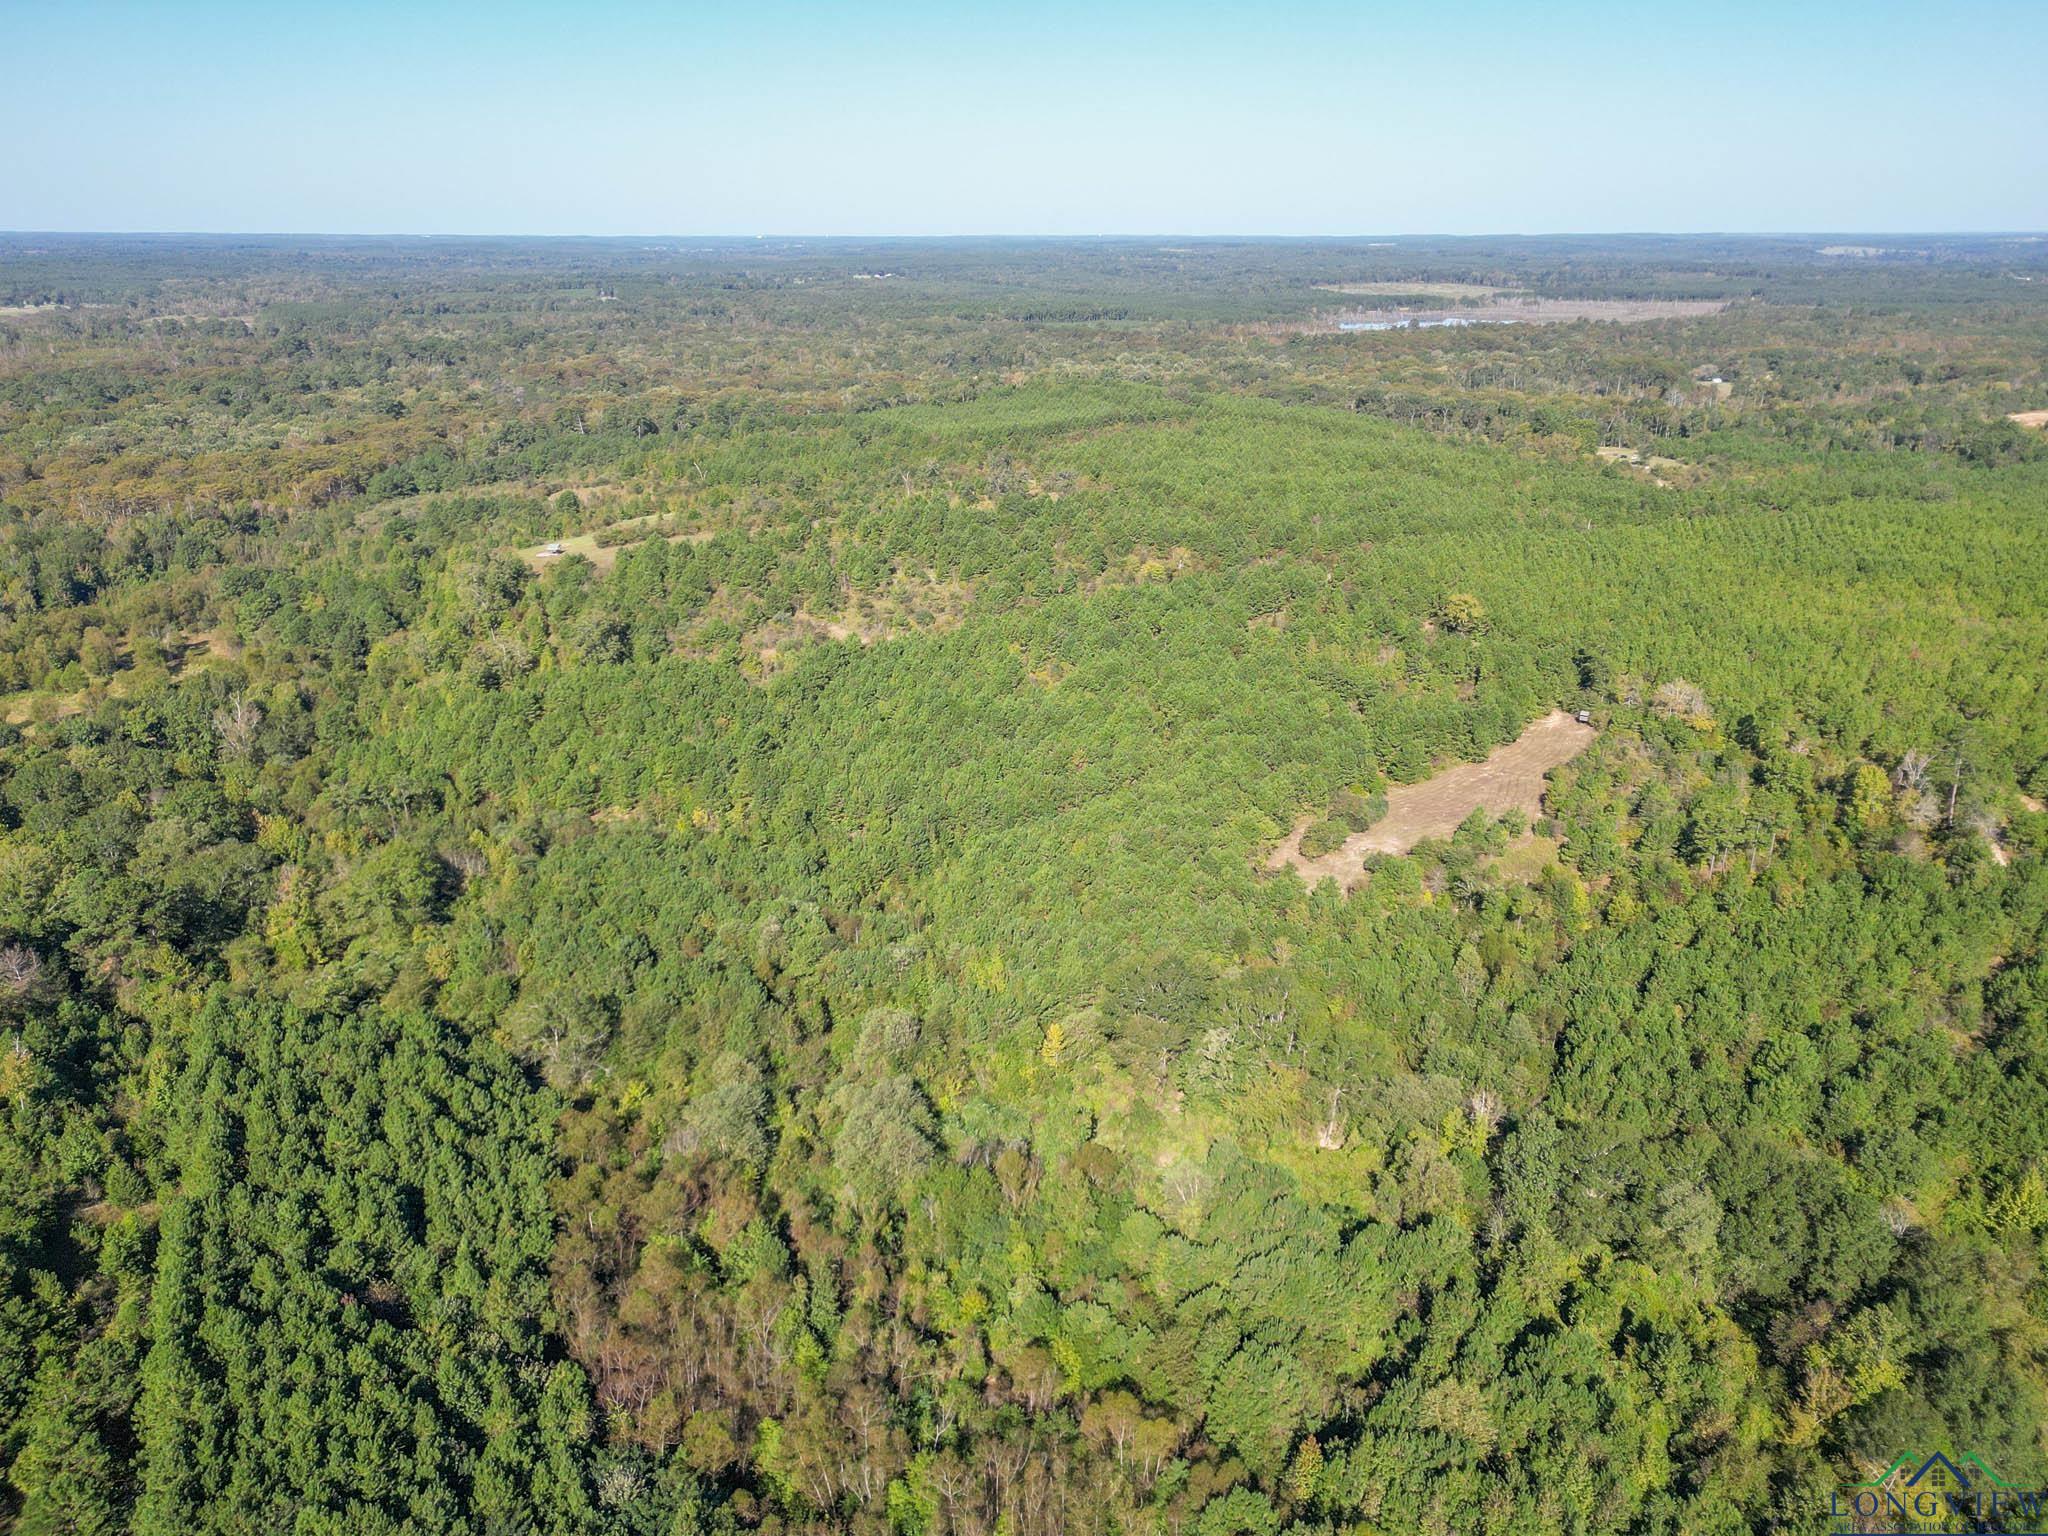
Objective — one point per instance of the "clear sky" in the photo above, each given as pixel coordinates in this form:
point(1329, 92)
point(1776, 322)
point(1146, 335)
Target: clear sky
point(1116, 116)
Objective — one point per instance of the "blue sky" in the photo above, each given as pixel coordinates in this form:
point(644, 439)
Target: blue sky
point(1121, 116)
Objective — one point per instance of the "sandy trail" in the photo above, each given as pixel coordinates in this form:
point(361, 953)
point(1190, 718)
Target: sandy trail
point(1511, 778)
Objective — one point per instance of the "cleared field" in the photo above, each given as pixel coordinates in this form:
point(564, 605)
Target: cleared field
point(1511, 778)
point(1512, 310)
point(603, 556)
point(2030, 418)
point(1651, 467)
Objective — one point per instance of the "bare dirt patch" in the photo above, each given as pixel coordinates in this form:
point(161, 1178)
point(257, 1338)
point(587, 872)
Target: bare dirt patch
point(1511, 778)
point(2037, 419)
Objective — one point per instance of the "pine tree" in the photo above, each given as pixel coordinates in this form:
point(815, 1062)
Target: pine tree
point(1305, 1473)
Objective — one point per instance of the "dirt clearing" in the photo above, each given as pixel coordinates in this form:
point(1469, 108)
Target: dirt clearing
point(1511, 778)
point(2030, 418)
point(1651, 468)
point(604, 555)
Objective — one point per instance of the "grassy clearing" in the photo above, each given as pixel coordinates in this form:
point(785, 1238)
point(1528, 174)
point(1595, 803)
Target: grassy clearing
point(601, 546)
point(1511, 778)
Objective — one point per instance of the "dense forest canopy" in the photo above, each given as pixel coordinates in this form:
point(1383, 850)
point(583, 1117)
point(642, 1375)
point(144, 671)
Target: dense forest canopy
point(634, 887)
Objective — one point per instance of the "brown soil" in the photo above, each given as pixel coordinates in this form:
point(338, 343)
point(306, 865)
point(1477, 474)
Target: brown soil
point(2030, 418)
point(1511, 778)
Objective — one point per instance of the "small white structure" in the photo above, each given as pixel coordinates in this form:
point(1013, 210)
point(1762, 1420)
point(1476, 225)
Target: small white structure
point(554, 548)
point(1585, 717)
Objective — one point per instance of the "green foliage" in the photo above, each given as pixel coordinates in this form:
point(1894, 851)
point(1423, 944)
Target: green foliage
point(784, 1019)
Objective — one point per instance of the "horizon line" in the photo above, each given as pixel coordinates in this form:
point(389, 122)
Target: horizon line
point(2015, 233)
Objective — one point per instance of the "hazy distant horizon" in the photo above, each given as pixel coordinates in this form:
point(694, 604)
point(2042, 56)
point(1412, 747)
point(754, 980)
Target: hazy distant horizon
point(2016, 235)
